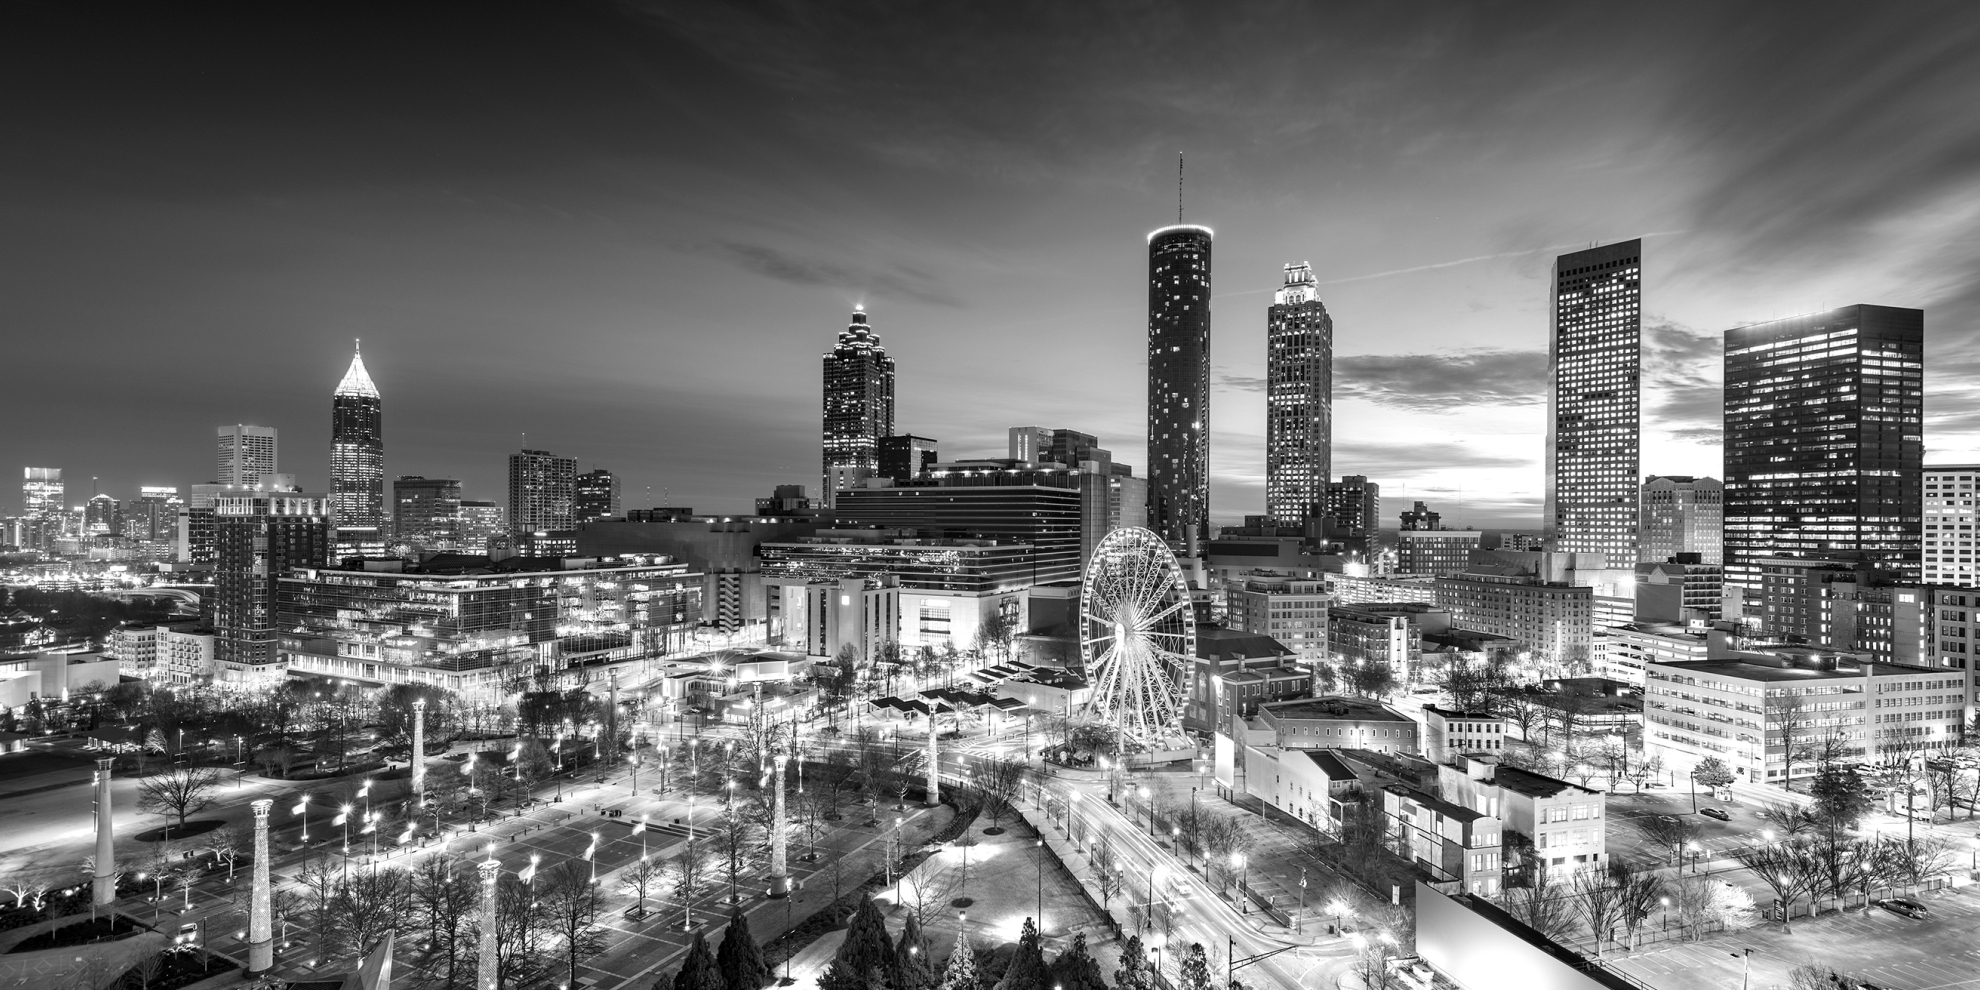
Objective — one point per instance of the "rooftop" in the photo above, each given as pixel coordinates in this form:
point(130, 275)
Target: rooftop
point(1532, 784)
point(1332, 706)
point(1329, 764)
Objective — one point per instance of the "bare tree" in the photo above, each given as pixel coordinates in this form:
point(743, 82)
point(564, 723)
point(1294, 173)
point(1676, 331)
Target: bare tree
point(570, 901)
point(1786, 870)
point(1000, 781)
point(1639, 892)
point(446, 897)
point(736, 841)
point(637, 878)
point(686, 876)
point(366, 906)
point(180, 792)
point(1788, 819)
point(1600, 902)
point(1542, 907)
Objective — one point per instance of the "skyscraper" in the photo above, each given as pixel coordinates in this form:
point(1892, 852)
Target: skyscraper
point(426, 513)
point(247, 454)
point(1681, 514)
point(258, 536)
point(596, 496)
point(1179, 382)
point(1824, 440)
point(905, 457)
point(1950, 519)
point(1594, 410)
point(357, 453)
point(1299, 401)
point(1355, 503)
point(41, 492)
point(542, 489)
point(859, 405)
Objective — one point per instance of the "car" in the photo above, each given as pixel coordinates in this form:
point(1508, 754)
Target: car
point(1904, 906)
point(188, 934)
point(1717, 813)
point(1667, 819)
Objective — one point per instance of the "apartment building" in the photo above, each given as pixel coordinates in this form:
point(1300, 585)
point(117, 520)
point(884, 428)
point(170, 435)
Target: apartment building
point(1448, 732)
point(1453, 843)
point(1566, 823)
point(1289, 609)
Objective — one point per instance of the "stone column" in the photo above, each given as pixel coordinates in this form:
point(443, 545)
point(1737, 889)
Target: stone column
point(419, 753)
point(103, 885)
point(934, 766)
point(485, 972)
point(261, 923)
point(780, 874)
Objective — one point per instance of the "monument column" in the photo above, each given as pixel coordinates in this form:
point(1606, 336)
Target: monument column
point(485, 971)
point(103, 885)
point(780, 874)
point(261, 926)
point(419, 753)
point(934, 767)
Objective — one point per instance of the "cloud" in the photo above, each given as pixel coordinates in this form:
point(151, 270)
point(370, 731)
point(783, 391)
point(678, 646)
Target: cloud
point(1380, 460)
point(1447, 382)
point(898, 281)
point(1683, 386)
point(1242, 383)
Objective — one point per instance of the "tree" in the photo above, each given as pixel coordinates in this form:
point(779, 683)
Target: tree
point(1712, 772)
point(446, 897)
point(319, 878)
point(1785, 868)
point(1639, 892)
point(1841, 799)
point(1134, 973)
point(1000, 781)
point(637, 878)
point(1193, 972)
point(180, 792)
point(1542, 907)
point(1076, 969)
point(865, 951)
point(1370, 679)
point(1600, 901)
point(1027, 970)
point(570, 900)
point(1788, 819)
point(687, 875)
point(960, 972)
point(737, 842)
point(740, 959)
point(699, 971)
point(520, 922)
point(1703, 900)
point(365, 907)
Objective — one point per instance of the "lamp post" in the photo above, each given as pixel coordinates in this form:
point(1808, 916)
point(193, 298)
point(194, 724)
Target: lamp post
point(1038, 860)
point(1150, 805)
point(1239, 860)
point(1745, 966)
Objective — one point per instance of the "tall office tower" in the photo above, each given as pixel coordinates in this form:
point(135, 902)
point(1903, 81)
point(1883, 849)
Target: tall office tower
point(41, 492)
point(1681, 514)
point(247, 455)
point(1179, 382)
point(1594, 404)
point(154, 517)
point(1355, 503)
point(595, 496)
point(357, 452)
point(542, 488)
point(1824, 440)
point(1299, 400)
point(102, 514)
point(1421, 518)
point(426, 512)
point(906, 457)
point(258, 536)
point(1030, 443)
point(481, 522)
point(859, 406)
point(1950, 524)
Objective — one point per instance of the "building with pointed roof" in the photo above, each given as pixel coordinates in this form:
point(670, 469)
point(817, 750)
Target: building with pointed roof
point(357, 460)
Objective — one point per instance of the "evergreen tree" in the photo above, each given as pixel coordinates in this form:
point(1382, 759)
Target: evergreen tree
point(1133, 974)
point(740, 959)
point(1194, 974)
point(913, 970)
point(698, 971)
point(1027, 970)
point(961, 971)
point(865, 950)
point(1840, 796)
point(1075, 969)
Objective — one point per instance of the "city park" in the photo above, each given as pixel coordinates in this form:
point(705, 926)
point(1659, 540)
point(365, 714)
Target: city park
point(566, 840)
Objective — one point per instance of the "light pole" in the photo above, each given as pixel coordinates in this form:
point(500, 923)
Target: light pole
point(1745, 966)
point(1150, 805)
point(1038, 860)
point(302, 808)
point(1299, 920)
point(1238, 860)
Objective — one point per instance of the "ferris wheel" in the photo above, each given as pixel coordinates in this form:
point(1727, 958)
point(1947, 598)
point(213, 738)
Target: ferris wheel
point(1137, 637)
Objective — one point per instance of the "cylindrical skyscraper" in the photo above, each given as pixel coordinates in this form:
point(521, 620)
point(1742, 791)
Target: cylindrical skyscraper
point(1179, 382)
point(357, 456)
point(1299, 402)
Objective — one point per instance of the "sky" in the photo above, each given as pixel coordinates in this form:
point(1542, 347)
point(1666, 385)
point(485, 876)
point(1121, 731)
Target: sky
point(629, 230)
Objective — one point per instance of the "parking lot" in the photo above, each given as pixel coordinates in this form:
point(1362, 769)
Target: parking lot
point(1940, 952)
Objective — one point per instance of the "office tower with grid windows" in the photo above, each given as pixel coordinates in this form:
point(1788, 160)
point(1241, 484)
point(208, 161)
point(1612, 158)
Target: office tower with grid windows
point(542, 492)
point(1594, 405)
point(1179, 382)
point(247, 455)
point(426, 513)
point(859, 406)
point(41, 492)
point(1824, 441)
point(357, 457)
point(1299, 400)
point(1950, 520)
point(1678, 513)
point(596, 496)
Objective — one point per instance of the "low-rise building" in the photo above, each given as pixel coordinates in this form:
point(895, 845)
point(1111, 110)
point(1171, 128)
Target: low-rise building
point(1555, 621)
point(1680, 590)
point(170, 653)
point(1352, 589)
point(1386, 633)
point(1239, 671)
point(1339, 722)
point(1312, 785)
point(1434, 552)
point(1633, 647)
point(1291, 610)
point(1453, 843)
point(1448, 732)
point(1566, 823)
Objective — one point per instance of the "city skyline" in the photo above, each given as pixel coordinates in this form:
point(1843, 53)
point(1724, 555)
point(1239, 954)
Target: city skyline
point(520, 294)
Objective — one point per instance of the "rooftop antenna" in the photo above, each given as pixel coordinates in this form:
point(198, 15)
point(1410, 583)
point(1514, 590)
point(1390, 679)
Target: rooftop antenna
point(359, 341)
point(1179, 178)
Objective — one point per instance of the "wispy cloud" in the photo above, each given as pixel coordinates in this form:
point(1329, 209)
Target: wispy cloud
point(1682, 380)
point(1443, 382)
point(899, 282)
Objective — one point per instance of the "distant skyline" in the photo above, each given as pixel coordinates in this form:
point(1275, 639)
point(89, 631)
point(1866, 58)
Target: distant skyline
point(630, 230)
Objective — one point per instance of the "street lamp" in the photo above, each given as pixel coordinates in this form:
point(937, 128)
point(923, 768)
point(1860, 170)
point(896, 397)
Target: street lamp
point(1238, 861)
point(1150, 805)
point(1037, 859)
point(1338, 908)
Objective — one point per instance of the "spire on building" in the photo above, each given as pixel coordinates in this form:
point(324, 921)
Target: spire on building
point(357, 381)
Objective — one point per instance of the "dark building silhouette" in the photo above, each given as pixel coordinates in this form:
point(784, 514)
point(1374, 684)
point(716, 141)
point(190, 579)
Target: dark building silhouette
point(258, 536)
point(1594, 406)
point(1299, 400)
point(1355, 503)
point(859, 406)
point(1421, 518)
point(1179, 382)
point(906, 457)
point(357, 452)
point(595, 495)
point(426, 512)
point(1824, 440)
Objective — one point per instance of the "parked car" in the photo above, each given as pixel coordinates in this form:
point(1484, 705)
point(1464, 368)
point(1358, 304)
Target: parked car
point(1717, 813)
point(1904, 906)
point(188, 935)
point(1667, 819)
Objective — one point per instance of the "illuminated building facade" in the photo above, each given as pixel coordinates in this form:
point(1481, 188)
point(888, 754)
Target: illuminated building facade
point(41, 492)
point(859, 406)
point(1355, 503)
point(357, 457)
point(257, 537)
point(1594, 404)
point(1299, 400)
point(247, 455)
point(1681, 514)
point(906, 457)
point(1179, 382)
point(426, 513)
point(542, 491)
point(595, 495)
point(1824, 440)
point(1949, 522)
